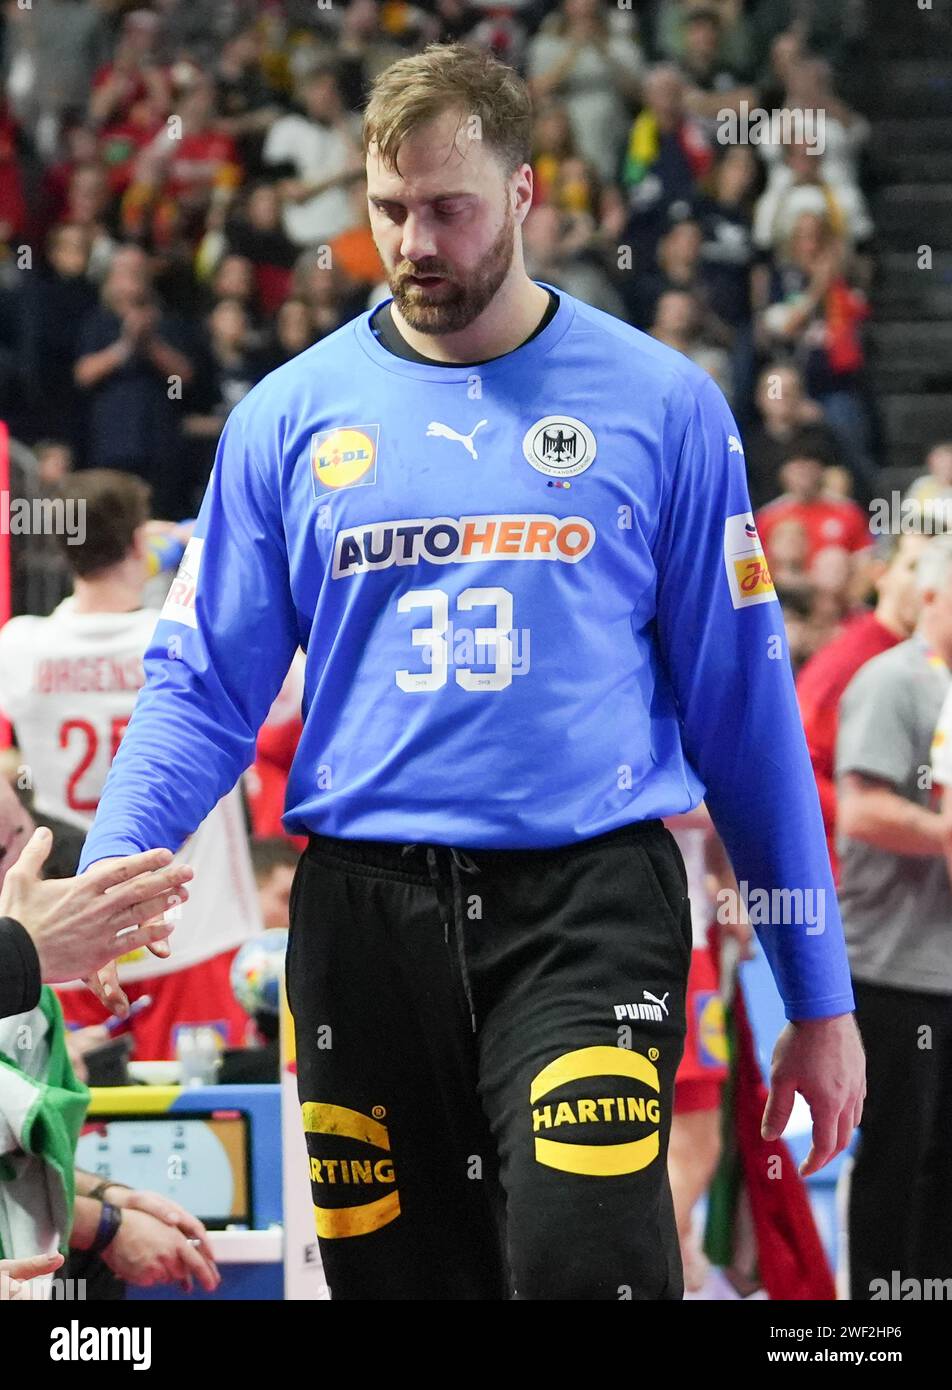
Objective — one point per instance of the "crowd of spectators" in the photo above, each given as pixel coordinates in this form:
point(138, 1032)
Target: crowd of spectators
point(182, 209)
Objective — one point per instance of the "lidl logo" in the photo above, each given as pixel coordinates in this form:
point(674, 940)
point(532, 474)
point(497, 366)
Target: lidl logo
point(581, 1093)
point(353, 1183)
point(711, 1033)
point(343, 458)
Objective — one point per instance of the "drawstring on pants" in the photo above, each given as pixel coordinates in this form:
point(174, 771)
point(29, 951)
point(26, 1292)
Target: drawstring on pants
point(459, 860)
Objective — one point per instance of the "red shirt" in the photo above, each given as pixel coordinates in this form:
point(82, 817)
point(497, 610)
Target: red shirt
point(197, 161)
point(198, 994)
point(820, 687)
point(826, 520)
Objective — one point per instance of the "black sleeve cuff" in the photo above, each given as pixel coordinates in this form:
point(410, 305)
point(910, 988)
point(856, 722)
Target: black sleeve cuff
point(20, 981)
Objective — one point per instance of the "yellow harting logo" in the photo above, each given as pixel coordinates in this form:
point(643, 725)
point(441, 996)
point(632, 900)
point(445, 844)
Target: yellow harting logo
point(362, 1176)
point(584, 1115)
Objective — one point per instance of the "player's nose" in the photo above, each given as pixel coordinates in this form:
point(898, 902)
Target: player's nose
point(417, 243)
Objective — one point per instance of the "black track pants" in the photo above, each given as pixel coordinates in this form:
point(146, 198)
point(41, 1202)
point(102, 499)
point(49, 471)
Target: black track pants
point(486, 1046)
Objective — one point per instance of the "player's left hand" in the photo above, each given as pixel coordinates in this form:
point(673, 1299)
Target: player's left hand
point(823, 1059)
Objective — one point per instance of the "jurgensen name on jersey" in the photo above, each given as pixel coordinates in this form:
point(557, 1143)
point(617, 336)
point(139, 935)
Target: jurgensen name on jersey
point(69, 683)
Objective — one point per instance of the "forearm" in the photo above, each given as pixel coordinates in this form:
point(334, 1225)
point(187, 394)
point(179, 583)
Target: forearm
point(87, 1183)
point(168, 361)
point(96, 366)
point(86, 1216)
point(889, 822)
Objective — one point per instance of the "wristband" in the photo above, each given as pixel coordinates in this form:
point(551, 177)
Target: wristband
point(108, 1228)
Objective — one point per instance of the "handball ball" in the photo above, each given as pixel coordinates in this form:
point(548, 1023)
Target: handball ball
point(256, 972)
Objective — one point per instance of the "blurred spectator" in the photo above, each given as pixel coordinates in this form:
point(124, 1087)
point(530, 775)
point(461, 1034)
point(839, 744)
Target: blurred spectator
point(121, 142)
point(593, 73)
point(354, 251)
point(555, 245)
point(51, 305)
point(827, 520)
point(784, 410)
point(552, 145)
point(234, 278)
point(226, 367)
point(255, 233)
point(679, 322)
point(247, 103)
point(317, 155)
point(668, 156)
point(712, 86)
point(274, 861)
point(54, 49)
point(293, 333)
point(186, 170)
point(896, 901)
point(933, 489)
point(88, 205)
point(803, 638)
point(130, 357)
point(679, 267)
point(54, 460)
point(13, 211)
point(786, 50)
point(722, 36)
point(361, 50)
point(826, 675)
point(325, 288)
point(816, 316)
point(844, 133)
point(734, 277)
point(40, 575)
point(797, 186)
point(132, 75)
point(787, 552)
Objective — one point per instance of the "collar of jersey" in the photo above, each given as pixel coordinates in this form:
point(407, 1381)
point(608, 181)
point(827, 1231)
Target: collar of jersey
point(521, 356)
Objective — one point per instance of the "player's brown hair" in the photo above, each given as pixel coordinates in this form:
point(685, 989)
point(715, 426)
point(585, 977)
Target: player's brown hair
point(444, 77)
point(116, 505)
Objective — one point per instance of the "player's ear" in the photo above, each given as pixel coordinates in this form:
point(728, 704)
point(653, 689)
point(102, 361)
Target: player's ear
point(520, 191)
point(140, 542)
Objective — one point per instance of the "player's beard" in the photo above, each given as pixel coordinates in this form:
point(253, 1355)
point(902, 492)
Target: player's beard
point(454, 305)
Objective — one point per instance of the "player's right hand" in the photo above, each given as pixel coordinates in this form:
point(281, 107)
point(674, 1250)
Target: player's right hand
point(80, 924)
point(147, 1251)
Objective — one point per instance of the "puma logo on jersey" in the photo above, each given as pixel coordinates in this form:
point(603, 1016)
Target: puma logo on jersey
point(653, 1010)
point(437, 430)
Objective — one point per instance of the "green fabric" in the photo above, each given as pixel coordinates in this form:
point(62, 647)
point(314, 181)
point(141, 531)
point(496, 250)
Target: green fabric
point(56, 1117)
point(727, 1182)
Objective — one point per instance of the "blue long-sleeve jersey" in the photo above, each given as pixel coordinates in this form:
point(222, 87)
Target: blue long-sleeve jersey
point(534, 607)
